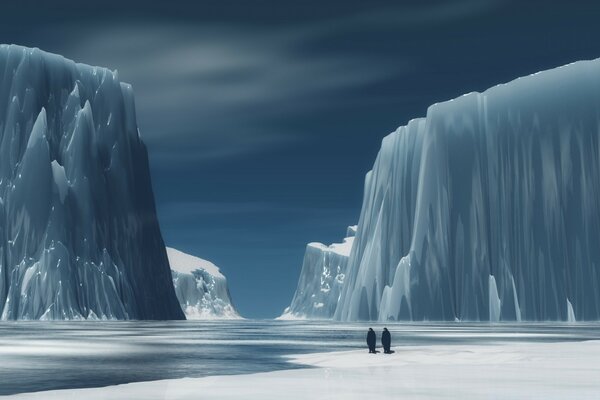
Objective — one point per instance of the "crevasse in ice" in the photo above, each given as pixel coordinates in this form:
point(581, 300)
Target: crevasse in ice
point(200, 286)
point(486, 209)
point(321, 279)
point(79, 236)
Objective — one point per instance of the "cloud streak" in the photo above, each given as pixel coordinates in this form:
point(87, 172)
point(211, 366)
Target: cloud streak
point(214, 91)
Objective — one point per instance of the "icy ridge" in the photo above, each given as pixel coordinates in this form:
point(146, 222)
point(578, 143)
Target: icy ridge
point(79, 236)
point(321, 279)
point(486, 209)
point(200, 287)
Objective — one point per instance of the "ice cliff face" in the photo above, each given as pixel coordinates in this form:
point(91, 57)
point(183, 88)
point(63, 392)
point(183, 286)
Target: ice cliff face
point(200, 287)
point(486, 209)
point(321, 279)
point(78, 232)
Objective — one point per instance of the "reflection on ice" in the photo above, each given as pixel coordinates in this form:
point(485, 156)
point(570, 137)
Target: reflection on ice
point(92, 354)
point(515, 370)
point(42, 347)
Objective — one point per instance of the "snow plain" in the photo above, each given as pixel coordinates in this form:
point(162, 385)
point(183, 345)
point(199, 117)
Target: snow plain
point(516, 370)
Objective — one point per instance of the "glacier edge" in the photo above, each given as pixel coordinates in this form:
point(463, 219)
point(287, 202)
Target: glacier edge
point(502, 185)
point(79, 237)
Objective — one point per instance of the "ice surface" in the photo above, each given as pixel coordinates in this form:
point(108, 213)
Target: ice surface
point(200, 287)
point(321, 279)
point(93, 354)
point(78, 231)
point(486, 209)
point(502, 371)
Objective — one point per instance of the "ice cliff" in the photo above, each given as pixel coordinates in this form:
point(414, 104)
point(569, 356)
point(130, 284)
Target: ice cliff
point(200, 287)
point(79, 236)
point(486, 209)
point(321, 279)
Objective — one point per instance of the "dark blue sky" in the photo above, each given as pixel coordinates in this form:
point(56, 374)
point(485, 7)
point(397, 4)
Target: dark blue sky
point(262, 117)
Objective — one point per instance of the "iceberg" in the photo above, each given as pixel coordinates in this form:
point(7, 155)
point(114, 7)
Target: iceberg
point(321, 279)
point(200, 287)
point(79, 237)
point(486, 209)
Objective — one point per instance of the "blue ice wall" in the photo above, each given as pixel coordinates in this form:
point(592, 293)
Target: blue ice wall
point(321, 279)
point(79, 236)
point(486, 209)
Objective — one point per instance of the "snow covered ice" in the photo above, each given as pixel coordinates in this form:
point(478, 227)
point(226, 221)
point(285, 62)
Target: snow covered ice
point(498, 369)
point(486, 209)
point(200, 287)
point(79, 236)
point(321, 279)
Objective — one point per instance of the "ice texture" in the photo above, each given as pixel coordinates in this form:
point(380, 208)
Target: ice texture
point(79, 236)
point(200, 287)
point(486, 209)
point(321, 280)
point(514, 370)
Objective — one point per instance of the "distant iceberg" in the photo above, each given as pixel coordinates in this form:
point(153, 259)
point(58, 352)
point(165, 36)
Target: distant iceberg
point(79, 238)
point(321, 279)
point(200, 287)
point(486, 209)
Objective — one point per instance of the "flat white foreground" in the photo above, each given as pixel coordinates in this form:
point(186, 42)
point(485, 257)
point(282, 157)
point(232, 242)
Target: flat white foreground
point(565, 370)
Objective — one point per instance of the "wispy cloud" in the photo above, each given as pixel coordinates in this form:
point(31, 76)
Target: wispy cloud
point(216, 90)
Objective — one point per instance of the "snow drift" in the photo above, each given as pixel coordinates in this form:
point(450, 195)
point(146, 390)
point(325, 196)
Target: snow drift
point(201, 289)
point(78, 231)
point(486, 209)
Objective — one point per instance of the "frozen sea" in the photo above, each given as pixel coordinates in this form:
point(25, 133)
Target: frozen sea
point(39, 356)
